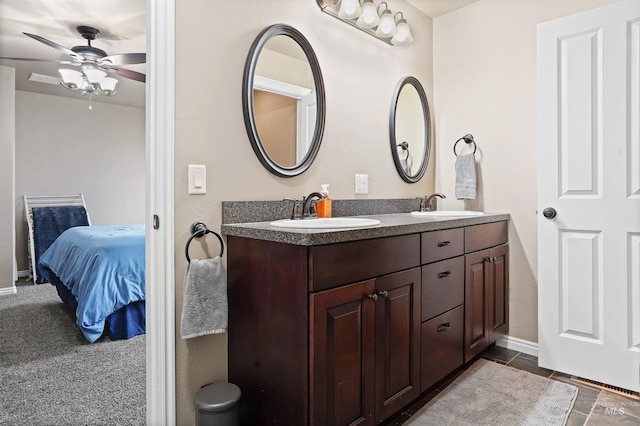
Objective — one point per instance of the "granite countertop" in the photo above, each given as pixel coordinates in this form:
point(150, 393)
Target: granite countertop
point(390, 225)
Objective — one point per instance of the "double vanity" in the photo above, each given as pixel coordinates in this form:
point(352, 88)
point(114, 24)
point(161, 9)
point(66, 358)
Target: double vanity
point(338, 326)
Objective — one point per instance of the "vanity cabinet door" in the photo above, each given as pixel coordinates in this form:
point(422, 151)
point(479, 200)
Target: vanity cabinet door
point(486, 298)
point(342, 355)
point(397, 342)
point(476, 304)
point(499, 271)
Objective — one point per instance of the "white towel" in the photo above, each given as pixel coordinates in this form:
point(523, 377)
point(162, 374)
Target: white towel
point(465, 187)
point(205, 308)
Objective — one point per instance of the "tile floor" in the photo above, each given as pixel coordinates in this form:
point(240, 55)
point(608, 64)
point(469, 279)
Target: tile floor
point(593, 407)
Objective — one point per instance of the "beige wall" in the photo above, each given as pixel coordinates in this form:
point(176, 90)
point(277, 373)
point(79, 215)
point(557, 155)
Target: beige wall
point(485, 84)
point(360, 75)
point(63, 148)
point(7, 170)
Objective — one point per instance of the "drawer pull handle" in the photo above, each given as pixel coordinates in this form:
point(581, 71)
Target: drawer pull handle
point(444, 274)
point(443, 327)
point(444, 243)
point(383, 293)
point(373, 297)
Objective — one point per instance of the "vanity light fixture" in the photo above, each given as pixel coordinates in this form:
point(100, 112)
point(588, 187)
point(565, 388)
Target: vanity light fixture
point(378, 21)
point(90, 81)
point(403, 36)
point(349, 9)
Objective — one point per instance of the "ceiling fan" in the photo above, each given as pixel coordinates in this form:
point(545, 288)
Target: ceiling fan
point(91, 58)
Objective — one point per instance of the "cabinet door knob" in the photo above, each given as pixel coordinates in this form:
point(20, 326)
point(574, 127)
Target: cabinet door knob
point(443, 327)
point(444, 243)
point(373, 297)
point(444, 274)
point(383, 293)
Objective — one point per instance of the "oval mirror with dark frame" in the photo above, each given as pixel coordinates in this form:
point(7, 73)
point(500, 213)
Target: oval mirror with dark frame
point(283, 100)
point(410, 130)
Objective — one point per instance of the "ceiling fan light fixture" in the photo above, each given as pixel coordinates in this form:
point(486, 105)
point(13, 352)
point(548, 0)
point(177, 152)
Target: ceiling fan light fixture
point(108, 86)
point(94, 75)
point(71, 79)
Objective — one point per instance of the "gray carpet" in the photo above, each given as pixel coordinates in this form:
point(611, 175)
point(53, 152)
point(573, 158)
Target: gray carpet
point(491, 394)
point(50, 375)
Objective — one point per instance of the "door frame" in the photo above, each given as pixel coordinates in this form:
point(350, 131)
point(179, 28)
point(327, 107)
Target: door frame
point(160, 258)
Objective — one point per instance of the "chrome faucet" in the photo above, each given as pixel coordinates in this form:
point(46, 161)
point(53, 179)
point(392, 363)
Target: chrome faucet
point(426, 203)
point(308, 204)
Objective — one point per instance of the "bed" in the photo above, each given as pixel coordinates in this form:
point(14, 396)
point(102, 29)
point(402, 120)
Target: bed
point(98, 271)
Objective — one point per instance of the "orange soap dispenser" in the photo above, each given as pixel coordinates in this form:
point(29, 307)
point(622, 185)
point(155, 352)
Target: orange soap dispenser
point(324, 206)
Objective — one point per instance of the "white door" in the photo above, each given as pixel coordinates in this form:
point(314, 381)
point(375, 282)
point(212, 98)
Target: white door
point(589, 174)
point(306, 124)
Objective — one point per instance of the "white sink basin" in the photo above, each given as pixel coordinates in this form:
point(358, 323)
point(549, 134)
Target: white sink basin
point(326, 223)
point(448, 213)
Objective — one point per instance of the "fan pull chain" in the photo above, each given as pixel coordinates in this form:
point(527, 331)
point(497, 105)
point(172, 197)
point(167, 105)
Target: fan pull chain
point(90, 106)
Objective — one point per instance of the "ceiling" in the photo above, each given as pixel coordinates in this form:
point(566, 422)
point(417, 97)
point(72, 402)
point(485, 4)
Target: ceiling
point(122, 24)
point(435, 8)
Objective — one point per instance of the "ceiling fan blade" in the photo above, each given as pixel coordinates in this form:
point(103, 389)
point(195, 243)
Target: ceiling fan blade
point(133, 75)
point(54, 45)
point(124, 59)
point(41, 60)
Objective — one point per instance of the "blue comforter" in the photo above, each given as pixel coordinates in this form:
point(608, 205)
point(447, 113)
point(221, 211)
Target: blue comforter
point(102, 266)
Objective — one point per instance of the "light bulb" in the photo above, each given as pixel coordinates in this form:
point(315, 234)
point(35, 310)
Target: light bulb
point(369, 17)
point(349, 9)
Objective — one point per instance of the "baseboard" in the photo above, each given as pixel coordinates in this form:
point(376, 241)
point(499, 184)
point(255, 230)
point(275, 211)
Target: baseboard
point(7, 291)
point(520, 345)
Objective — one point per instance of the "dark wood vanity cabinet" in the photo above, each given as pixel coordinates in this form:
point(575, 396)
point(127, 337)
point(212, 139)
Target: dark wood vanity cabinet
point(350, 333)
point(326, 335)
point(486, 286)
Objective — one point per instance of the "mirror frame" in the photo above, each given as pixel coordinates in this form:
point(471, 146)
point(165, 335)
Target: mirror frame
point(247, 100)
point(427, 132)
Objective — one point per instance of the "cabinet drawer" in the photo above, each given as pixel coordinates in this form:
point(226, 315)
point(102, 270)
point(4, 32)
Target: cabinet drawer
point(337, 264)
point(442, 346)
point(478, 237)
point(438, 245)
point(442, 286)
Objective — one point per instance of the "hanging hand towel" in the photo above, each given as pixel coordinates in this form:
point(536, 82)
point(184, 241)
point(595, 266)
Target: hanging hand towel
point(205, 308)
point(465, 186)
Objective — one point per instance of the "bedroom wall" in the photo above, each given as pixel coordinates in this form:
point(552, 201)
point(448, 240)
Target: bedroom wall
point(7, 170)
point(62, 147)
point(360, 74)
point(485, 84)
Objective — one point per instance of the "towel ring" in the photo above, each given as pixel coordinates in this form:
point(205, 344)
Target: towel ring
point(199, 229)
point(405, 147)
point(468, 138)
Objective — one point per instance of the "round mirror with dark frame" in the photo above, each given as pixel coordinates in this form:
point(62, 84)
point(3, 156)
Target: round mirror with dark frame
point(410, 130)
point(283, 100)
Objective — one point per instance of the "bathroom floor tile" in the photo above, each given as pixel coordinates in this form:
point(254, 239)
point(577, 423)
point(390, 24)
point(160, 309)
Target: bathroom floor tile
point(498, 353)
point(528, 363)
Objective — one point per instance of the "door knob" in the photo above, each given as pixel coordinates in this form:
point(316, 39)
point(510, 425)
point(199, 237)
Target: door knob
point(549, 213)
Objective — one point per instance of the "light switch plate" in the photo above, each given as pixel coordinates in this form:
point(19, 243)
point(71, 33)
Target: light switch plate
point(197, 179)
point(362, 184)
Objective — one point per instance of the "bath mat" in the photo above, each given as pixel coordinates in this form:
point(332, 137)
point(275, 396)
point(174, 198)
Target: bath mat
point(488, 393)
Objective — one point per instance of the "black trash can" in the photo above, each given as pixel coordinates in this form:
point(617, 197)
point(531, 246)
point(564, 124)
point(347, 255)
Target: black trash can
point(217, 405)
